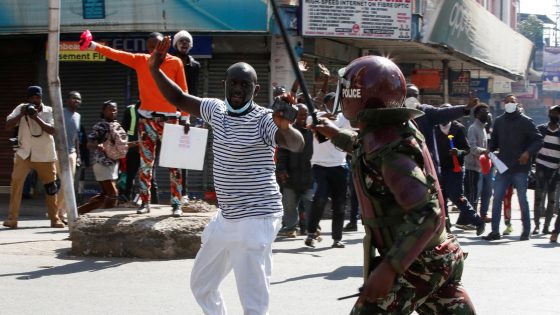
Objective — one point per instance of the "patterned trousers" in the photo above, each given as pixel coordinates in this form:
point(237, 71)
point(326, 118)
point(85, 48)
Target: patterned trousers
point(431, 285)
point(149, 132)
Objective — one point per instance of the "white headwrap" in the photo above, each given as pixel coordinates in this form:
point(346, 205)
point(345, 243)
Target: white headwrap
point(183, 34)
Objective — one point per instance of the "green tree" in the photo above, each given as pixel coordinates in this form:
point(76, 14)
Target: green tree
point(532, 28)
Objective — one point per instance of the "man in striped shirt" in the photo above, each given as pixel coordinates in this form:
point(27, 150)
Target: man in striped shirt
point(548, 162)
point(244, 139)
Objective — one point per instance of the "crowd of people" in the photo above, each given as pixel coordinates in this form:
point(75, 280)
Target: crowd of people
point(400, 162)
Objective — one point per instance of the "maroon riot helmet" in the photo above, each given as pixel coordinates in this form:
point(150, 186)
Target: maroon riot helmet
point(371, 82)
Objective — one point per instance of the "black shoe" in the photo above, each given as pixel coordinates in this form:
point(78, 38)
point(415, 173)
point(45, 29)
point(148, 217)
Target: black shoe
point(524, 237)
point(143, 209)
point(535, 231)
point(310, 241)
point(545, 230)
point(480, 228)
point(492, 236)
point(337, 244)
point(351, 227)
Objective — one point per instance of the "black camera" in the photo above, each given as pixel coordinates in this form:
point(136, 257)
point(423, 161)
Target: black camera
point(30, 110)
point(289, 111)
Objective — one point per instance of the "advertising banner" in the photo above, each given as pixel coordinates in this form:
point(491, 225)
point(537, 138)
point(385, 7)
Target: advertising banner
point(466, 27)
point(70, 51)
point(382, 19)
point(460, 83)
point(31, 16)
point(480, 88)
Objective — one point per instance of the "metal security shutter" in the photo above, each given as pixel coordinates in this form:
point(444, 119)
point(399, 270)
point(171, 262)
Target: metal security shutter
point(17, 75)
point(97, 82)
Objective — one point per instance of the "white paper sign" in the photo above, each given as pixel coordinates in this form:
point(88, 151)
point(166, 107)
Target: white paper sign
point(180, 150)
point(500, 166)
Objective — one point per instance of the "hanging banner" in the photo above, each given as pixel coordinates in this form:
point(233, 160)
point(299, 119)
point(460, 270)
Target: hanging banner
point(383, 19)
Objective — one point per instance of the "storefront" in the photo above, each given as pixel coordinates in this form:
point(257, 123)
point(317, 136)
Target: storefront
point(223, 36)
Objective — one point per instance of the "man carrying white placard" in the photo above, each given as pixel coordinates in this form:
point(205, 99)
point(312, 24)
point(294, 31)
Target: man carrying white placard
point(244, 139)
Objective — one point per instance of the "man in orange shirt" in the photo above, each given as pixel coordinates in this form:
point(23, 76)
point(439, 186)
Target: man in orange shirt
point(154, 112)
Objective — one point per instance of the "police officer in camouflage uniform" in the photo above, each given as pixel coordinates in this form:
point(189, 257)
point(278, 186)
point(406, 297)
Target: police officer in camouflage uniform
point(410, 262)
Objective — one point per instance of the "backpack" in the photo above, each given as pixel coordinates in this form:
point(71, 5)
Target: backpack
point(116, 144)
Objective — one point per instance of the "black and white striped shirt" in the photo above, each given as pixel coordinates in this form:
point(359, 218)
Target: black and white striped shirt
point(549, 154)
point(244, 169)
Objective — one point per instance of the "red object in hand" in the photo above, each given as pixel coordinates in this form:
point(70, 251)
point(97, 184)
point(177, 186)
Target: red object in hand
point(485, 163)
point(85, 39)
point(456, 166)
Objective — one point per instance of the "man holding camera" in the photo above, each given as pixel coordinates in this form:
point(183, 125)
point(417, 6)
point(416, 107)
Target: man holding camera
point(36, 151)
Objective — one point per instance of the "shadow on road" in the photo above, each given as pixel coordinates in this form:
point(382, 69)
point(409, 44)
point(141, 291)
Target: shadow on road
point(76, 265)
point(340, 273)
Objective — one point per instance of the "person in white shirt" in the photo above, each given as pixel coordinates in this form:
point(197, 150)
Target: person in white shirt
point(240, 236)
point(36, 151)
point(330, 173)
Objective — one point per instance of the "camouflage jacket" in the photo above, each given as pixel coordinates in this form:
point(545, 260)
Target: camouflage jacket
point(398, 193)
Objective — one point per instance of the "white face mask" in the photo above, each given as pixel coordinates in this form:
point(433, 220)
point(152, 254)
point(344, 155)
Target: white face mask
point(445, 128)
point(411, 102)
point(510, 107)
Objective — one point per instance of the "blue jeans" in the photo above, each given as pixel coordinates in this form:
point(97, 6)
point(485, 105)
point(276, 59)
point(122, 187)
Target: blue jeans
point(291, 199)
point(519, 181)
point(486, 183)
point(333, 182)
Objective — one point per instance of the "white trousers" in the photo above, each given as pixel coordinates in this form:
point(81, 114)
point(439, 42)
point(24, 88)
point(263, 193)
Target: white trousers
point(242, 245)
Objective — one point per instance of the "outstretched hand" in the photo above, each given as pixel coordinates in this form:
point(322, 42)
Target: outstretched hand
point(325, 127)
point(159, 53)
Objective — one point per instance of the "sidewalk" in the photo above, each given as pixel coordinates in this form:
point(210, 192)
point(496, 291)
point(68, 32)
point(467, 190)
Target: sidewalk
point(37, 276)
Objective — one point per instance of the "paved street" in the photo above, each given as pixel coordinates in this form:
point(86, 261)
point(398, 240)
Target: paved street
point(37, 276)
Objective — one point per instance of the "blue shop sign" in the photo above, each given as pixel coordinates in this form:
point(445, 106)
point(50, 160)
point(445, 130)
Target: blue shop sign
point(480, 87)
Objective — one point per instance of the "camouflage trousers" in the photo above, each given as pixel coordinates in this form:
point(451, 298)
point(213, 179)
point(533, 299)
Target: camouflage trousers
point(432, 285)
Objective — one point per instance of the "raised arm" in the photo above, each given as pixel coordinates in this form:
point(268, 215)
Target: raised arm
point(170, 90)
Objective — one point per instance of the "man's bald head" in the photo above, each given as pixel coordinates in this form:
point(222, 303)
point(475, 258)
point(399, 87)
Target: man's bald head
point(242, 67)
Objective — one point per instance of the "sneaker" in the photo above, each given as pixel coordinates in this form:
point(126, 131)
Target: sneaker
point(480, 229)
point(337, 244)
point(508, 230)
point(554, 237)
point(492, 236)
point(524, 237)
point(143, 209)
point(289, 233)
point(176, 211)
point(311, 240)
point(536, 230)
point(351, 227)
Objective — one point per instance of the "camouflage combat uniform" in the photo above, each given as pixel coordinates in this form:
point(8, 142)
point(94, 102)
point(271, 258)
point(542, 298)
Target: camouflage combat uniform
point(401, 202)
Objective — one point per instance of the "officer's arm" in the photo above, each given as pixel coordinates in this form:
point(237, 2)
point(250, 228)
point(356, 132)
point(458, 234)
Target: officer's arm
point(409, 186)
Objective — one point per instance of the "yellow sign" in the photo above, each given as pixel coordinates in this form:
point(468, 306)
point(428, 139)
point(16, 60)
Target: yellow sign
point(70, 51)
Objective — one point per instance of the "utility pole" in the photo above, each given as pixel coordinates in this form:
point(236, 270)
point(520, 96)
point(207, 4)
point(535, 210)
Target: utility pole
point(56, 101)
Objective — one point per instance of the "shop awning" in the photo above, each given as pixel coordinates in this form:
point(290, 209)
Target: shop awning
point(466, 29)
